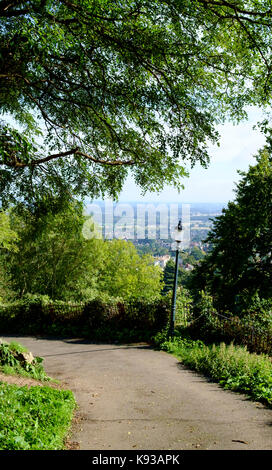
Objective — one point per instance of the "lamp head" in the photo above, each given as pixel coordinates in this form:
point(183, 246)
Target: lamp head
point(178, 232)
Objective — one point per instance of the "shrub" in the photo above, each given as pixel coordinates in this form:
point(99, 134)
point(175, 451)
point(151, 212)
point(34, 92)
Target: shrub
point(13, 361)
point(38, 316)
point(233, 367)
point(184, 303)
point(252, 328)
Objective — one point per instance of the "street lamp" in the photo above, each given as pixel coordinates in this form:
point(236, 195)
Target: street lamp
point(178, 239)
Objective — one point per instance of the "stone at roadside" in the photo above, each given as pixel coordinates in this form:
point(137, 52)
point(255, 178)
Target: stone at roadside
point(26, 357)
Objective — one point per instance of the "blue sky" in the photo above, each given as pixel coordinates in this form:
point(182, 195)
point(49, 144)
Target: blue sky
point(238, 145)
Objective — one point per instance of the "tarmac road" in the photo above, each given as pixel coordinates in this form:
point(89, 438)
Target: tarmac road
point(132, 397)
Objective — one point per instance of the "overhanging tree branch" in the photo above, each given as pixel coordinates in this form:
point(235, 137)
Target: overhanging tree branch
point(76, 152)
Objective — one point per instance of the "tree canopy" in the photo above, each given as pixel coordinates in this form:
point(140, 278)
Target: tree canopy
point(8, 237)
point(55, 255)
point(96, 88)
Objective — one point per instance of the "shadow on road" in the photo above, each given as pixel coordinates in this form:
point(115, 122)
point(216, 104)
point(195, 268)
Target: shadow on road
point(109, 347)
point(239, 395)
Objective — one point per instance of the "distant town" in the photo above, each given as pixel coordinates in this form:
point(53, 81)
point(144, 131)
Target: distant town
point(148, 225)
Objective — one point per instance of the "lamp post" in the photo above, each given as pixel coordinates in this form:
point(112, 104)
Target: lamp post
point(178, 239)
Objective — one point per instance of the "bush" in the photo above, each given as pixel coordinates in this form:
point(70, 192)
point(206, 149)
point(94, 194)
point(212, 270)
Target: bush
point(132, 320)
point(233, 367)
point(205, 323)
point(38, 316)
point(184, 302)
point(13, 360)
point(23, 316)
point(258, 313)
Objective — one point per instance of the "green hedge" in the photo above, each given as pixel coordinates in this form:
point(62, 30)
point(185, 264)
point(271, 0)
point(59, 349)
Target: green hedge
point(91, 319)
point(253, 329)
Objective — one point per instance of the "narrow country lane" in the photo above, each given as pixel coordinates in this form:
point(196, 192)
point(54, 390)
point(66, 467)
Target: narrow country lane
point(132, 397)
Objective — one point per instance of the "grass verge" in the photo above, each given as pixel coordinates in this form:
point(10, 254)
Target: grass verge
point(233, 367)
point(36, 417)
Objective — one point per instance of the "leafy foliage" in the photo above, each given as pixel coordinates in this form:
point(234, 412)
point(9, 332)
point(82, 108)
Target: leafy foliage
point(35, 418)
point(184, 305)
point(127, 275)
point(96, 319)
point(55, 258)
point(8, 236)
point(233, 367)
point(136, 85)
point(12, 363)
point(258, 313)
point(51, 253)
point(8, 239)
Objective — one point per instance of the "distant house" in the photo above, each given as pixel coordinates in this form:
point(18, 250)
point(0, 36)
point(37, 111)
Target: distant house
point(161, 260)
point(188, 267)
